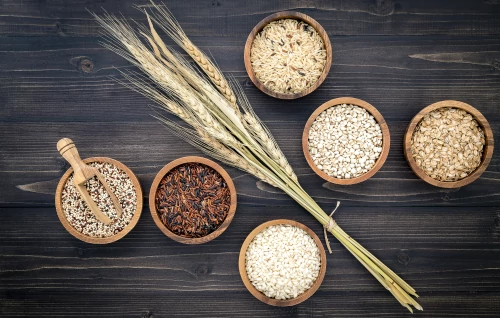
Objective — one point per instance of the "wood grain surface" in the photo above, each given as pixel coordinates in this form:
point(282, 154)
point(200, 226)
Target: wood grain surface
point(399, 56)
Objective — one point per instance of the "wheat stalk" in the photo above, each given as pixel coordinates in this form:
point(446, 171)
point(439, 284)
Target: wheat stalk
point(218, 125)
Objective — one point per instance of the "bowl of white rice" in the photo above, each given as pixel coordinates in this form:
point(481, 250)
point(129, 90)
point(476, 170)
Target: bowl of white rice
point(282, 262)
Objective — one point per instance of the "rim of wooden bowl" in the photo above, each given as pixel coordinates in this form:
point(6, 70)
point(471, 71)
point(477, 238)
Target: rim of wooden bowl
point(280, 302)
point(99, 240)
point(487, 150)
point(287, 15)
point(386, 139)
point(154, 188)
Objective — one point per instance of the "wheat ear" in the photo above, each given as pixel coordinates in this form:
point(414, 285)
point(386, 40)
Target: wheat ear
point(261, 133)
point(230, 157)
point(123, 40)
point(211, 146)
point(269, 145)
point(169, 24)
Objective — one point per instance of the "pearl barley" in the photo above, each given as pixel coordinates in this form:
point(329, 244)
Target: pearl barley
point(345, 141)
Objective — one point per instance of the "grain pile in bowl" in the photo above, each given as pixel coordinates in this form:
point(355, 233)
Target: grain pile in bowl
point(82, 219)
point(345, 141)
point(447, 144)
point(288, 56)
point(282, 261)
point(193, 200)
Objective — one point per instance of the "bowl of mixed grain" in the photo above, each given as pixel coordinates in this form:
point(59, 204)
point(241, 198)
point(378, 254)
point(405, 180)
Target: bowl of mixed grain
point(192, 200)
point(282, 262)
point(448, 144)
point(346, 140)
point(80, 221)
point(288, 55)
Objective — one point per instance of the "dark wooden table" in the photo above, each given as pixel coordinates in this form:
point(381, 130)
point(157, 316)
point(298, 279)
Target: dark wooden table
point(399, 56)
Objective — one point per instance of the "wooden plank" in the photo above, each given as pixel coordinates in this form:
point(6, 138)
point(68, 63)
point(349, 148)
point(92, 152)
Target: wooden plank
point(398, 75)
point(435, 249)
point(33, 183)
point(226, 18)
point(152, 303)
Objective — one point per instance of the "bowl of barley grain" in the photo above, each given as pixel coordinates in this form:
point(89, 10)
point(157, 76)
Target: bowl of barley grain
point(288, 55)
point(282, 262)
point(448, 144)
point(346, 141)
point(80, 221)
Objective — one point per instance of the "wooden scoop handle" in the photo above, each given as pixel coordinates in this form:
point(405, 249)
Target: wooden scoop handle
point(81, 173)
point(69, 152)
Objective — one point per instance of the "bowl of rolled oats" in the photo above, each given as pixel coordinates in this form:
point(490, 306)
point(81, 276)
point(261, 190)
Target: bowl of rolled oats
point(448, 144)
point(80, 221)
point(282, 262)
point(346, 140)
point(288, 55)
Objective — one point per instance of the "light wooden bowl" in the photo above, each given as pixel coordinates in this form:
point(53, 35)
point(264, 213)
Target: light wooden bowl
point(98, 240)
point(279, 16)
point(156, 183)
point(279, 302)
point(386, 139)
point(487, 150)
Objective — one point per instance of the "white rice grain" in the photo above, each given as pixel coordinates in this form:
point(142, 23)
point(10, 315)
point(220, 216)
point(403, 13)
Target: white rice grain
point(283, 261)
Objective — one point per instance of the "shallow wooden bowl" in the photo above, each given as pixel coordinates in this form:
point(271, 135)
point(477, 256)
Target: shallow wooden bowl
point(287, 15)
point(279, 302)
point(154, 212)
point(487, 150)
point(386, 139)
point(98, 240)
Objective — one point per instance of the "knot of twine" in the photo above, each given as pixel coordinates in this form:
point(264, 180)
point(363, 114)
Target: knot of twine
point(330, 226)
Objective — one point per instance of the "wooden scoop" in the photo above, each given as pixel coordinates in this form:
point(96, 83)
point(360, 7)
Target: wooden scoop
point(82, 173)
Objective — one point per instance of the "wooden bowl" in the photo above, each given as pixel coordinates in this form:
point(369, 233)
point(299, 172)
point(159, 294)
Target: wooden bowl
point(487, 150)
point(386, 139)
point(279, 16)
point(99, 240)
point(154, 187)
point(280, 302)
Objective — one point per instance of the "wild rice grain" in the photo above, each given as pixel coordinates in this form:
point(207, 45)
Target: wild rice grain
point(283, 261)
point(288, 56)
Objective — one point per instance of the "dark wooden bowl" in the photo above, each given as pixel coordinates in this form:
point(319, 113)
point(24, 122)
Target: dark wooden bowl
point(156, 183)
point(279, 16)
point(99, 240)
point(280, 302)
point(487, 150)
point(386, 139)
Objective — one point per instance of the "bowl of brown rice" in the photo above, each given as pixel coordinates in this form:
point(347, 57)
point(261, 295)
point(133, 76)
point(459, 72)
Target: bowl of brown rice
point(288, 55)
